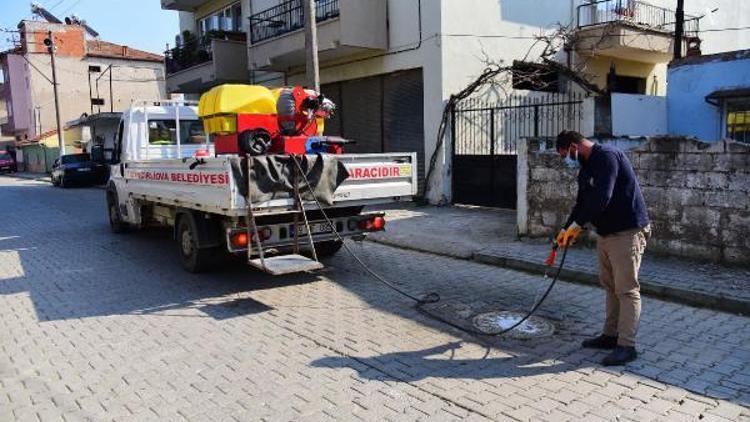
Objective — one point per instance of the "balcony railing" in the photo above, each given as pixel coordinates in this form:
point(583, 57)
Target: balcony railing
point(196, 50)
point(287, 17)
point(636, 13)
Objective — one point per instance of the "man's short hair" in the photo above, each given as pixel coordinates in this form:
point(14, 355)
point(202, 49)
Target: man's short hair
point(567, 137)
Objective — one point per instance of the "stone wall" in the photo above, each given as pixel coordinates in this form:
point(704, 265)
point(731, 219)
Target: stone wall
point(698, 195)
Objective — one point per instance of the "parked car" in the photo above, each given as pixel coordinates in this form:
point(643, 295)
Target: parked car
point(77, 168)
point(7, 163)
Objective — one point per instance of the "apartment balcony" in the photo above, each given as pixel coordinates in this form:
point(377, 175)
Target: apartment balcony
point(631, 30)
point(182, 5)
point(345, 28)
point(199, 64)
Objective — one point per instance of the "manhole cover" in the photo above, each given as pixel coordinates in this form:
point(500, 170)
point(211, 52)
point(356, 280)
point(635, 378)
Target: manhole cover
point(495, 322)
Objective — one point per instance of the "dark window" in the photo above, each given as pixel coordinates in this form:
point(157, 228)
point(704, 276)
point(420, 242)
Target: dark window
point(5, 156)
point(535, 77)
point(629, 85)
point(75, 158)
point(738, 122)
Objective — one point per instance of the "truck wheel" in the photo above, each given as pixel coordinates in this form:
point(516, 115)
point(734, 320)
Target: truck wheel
point(328, 248)
point(194, 259)
point(115, 219)
point(53, 180)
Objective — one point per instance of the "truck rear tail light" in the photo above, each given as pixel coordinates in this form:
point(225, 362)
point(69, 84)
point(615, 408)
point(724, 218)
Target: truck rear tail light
point(239, 240)
point(373, 224)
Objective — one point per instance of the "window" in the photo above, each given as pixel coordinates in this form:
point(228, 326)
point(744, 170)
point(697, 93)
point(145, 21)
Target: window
point(535, 77)
point(5, 156)
point(76, 158)
point(163, 132)
point(228, 19)
point(629, 85)
point(738, 121)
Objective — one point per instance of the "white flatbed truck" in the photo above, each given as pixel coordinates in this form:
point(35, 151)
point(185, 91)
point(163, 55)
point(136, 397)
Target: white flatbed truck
point(165, 173)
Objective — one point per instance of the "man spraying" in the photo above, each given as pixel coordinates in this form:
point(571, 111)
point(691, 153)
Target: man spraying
point(609, 198)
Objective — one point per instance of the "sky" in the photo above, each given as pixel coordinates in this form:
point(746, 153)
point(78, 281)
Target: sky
point(136, 23)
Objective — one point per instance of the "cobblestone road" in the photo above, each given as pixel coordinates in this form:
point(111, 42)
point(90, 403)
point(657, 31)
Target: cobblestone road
point(95, 326)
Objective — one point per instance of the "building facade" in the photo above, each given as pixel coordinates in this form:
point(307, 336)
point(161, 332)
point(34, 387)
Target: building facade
point(709, 97)
point(391, 65)
point(93, 75)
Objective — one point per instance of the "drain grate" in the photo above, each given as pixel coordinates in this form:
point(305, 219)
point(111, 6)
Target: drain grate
point(497, 321)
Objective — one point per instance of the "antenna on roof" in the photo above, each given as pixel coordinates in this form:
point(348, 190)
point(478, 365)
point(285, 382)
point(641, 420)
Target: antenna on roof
point(37, 9)
point(75, 20)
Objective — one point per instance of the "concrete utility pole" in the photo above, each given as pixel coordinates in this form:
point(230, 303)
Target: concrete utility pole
point(50, 43)
point(311, 45)
point(679, 28)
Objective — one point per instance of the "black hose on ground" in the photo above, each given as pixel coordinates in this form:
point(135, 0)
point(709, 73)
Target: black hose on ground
point(433, 297)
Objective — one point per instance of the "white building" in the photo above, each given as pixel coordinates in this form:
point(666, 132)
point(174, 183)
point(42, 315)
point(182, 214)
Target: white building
point(391, 65)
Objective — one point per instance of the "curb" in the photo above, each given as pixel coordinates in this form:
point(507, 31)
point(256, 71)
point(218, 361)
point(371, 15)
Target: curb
point(648, 287)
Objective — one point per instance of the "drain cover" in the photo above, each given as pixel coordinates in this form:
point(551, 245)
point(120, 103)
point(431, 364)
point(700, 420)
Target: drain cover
point(495, 322)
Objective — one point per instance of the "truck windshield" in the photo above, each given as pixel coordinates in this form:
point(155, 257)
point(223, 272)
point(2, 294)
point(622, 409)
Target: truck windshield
point(163, 132)
point(77, 158)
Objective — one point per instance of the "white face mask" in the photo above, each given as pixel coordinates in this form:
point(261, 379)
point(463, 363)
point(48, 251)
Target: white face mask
point(571, 161)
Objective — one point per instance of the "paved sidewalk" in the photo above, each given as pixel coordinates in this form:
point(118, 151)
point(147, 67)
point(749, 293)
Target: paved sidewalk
point(42, 177)
point(489, 236)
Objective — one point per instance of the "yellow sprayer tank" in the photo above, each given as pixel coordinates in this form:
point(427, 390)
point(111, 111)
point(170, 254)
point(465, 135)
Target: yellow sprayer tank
point(219, 106)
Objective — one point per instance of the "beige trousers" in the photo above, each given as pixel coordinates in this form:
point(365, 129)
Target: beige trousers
point(619, 261)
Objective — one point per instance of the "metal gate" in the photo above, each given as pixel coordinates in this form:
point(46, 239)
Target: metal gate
point(485, 138)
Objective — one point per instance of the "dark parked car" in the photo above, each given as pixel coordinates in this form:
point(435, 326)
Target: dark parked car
point(7, 163)
point(77, 168)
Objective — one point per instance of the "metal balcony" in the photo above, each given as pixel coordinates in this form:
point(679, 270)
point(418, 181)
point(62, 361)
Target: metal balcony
point(630, 29)
point(287, 17)
point(345, 27)
point(201, 63)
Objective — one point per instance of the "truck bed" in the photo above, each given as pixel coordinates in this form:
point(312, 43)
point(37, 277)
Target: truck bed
point(210, 187)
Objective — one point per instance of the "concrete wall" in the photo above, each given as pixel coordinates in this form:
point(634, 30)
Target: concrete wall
point(689, 84)
point(16, 97)
point(697, 194)
point(131, 81)
point(638, 115)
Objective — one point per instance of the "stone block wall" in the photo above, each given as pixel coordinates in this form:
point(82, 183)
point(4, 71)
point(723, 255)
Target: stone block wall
point(698, 195)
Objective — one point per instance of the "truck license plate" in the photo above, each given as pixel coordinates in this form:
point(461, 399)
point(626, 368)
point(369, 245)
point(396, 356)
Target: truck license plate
point(84, 169)
point(316, 228)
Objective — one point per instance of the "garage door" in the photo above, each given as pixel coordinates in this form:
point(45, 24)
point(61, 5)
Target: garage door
point(383, 113)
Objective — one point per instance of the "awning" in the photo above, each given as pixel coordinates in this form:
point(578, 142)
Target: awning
point(716, 97)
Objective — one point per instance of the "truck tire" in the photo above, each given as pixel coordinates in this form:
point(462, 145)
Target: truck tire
point(193, 258)
point(116, 224)
point(328, 248)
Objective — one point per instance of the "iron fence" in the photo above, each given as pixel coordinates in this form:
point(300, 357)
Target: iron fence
point(287, 17)
point(485, 138)
point(480, 128)
point(636, 13)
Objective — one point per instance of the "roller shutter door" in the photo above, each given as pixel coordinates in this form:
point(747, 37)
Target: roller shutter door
point(383, 113)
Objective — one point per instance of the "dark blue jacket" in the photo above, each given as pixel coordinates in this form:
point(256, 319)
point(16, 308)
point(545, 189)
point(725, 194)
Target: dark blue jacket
point(608, 193)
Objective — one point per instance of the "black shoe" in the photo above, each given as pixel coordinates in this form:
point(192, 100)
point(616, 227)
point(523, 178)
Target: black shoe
point(601, 342)
point(620, 356)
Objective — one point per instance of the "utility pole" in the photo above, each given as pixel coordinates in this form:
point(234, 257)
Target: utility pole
point(50, 43)
point(679, 28)
point(311, 45)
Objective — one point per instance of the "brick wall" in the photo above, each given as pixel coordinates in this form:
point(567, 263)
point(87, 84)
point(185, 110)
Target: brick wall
point(698, 195)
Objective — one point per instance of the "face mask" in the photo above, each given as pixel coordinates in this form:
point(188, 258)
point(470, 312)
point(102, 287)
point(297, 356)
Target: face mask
point(572, 163)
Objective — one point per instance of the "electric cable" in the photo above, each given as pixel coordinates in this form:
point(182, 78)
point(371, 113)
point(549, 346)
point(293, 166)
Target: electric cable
point(432, 297)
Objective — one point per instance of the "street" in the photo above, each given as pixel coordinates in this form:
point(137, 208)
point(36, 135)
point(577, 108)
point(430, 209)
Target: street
point(98, 326)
